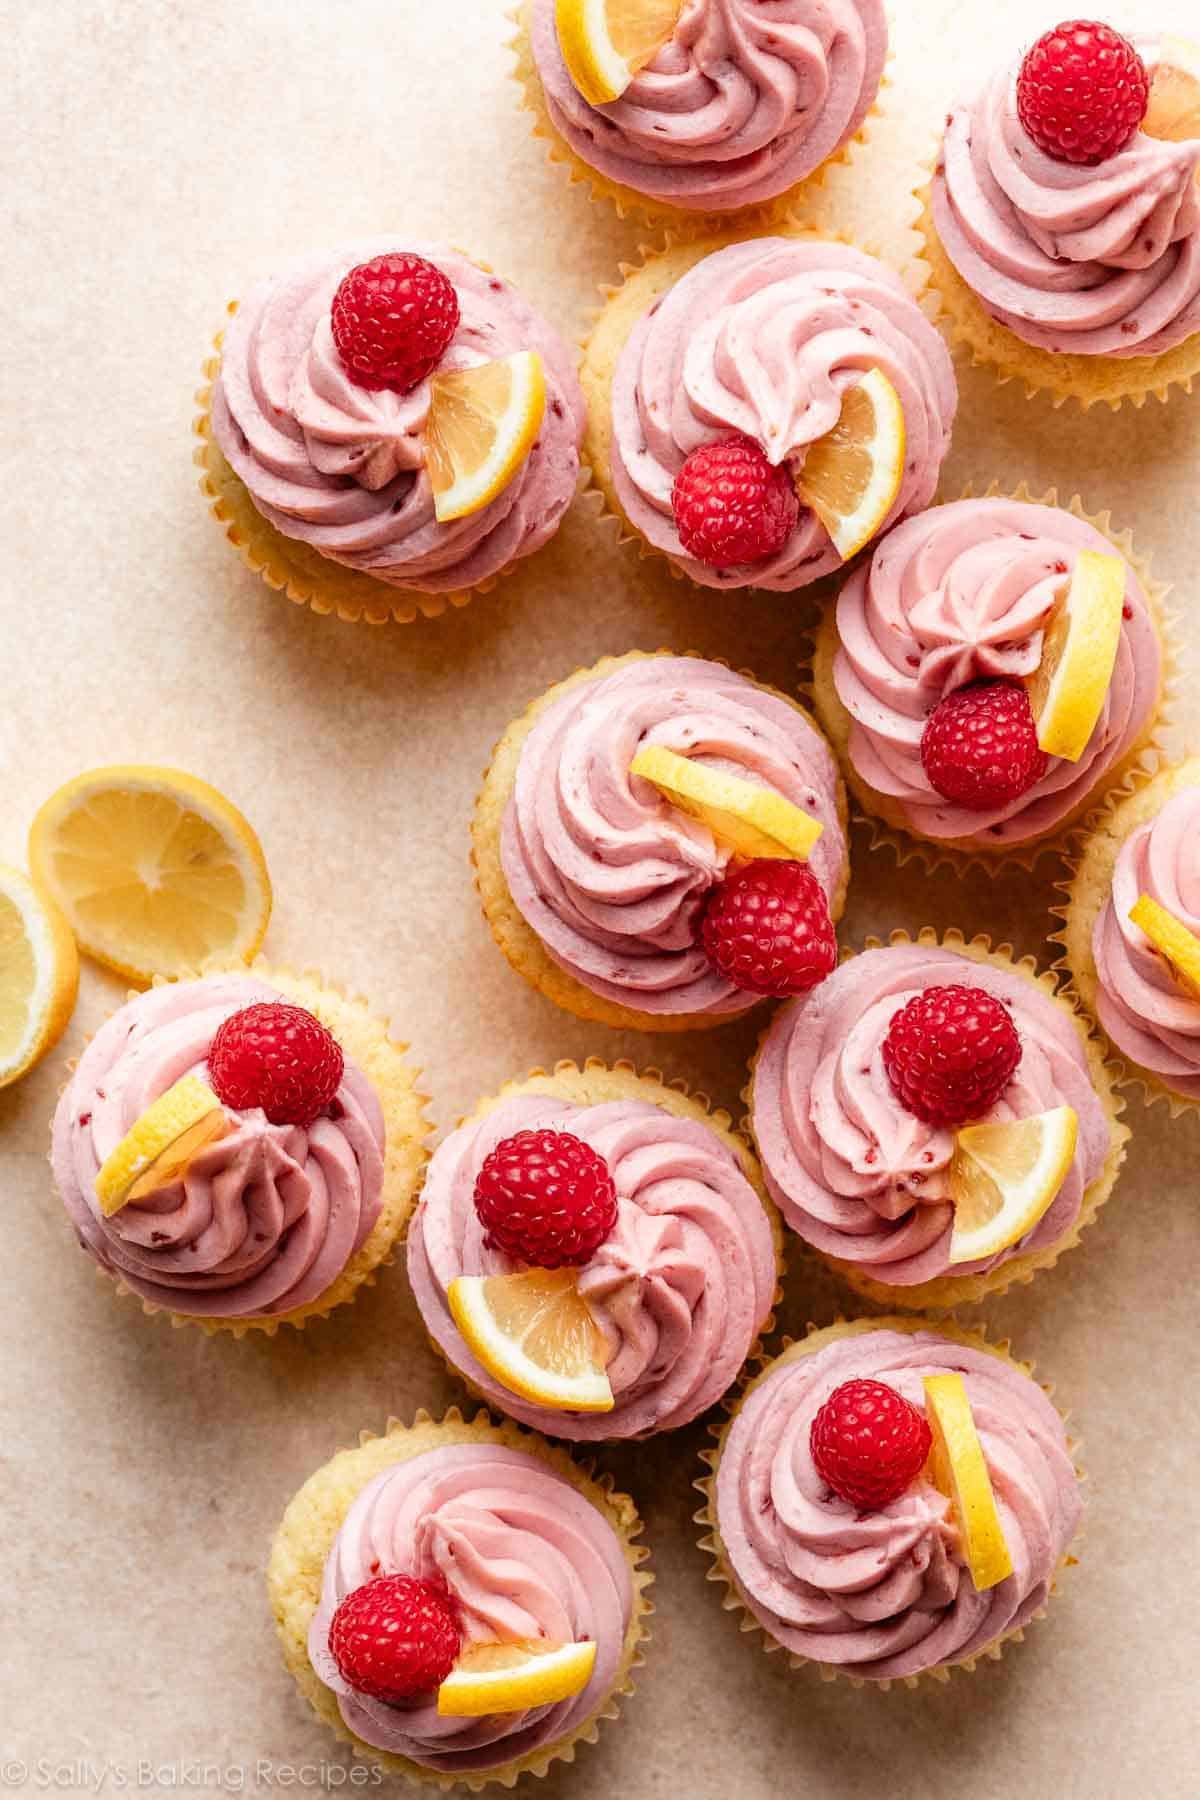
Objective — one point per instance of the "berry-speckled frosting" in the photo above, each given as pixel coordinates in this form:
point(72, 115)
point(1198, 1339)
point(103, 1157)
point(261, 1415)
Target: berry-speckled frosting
point(743, 102)
point(525, 1556)
point(851, 1169)
point(266, 1218)
point(962, 593)
point(1097, 260)
point(680, 1288)
point(1148, 1014)
point(763, 338)
point(888, 1594)
point(342, 467)
point(609, 875)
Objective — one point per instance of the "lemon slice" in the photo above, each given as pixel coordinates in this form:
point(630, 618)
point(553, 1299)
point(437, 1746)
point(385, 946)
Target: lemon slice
point(851, 476)
point(960, 1470)
point(39, 974)
point(1174, 109)
point(1172, 939)
point(1079, 647)
point(534, 1334)
point(505, 1678)
point(157, 872)
point(605, 42)
point(482, 425)
point(158, 1148)
point(749, 819)
point(1004, 1176)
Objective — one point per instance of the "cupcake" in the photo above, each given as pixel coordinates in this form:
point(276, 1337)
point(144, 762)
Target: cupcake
point(1063, 224)
point(332, 435)
point(751, 350)
point(846, 1546)
point(419, 1580)
point(596, 885)
point(241, 1151)
point(859, 1096)
point(1145, 847)
point(733, 110)
point(920, 672)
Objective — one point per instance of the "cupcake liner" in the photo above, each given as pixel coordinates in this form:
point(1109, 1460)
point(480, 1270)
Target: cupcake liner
point(721, 1571)
point(885, 818)
point(1059, 375)
point(520, 944)
point(367, 1042)
point(946, 1292)
point(311, 1523)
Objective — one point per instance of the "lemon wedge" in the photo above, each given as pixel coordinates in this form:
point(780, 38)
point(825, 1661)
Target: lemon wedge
point(851, 476)
point(39, 974)
point(1174, 109)
point(960, 1471)
point(1004, 1176)
point(749, 819)
point(158, 1148)
point(506, 1678)
point(1172, 939)
point(605, 42)
point(1079, 647)
point(535, 1335)
point(482, 425)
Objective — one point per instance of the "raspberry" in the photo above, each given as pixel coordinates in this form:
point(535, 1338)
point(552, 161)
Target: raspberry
point(393, 319)
point(767, 928)
point(950, 1053)
point(394, 1638)
point(1082, 92)
point(546, 1198)
point(869, 1443)
point(731, 505)
point(979, 747)
point(278, 1057)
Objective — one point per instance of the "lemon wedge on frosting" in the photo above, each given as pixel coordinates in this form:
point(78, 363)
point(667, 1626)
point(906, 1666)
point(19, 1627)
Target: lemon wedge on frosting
point(505, 1678)
point(1172, 939)
point(960, 1470)
point(1068, 689)
point(749, 819)
point(535, 1335)
point(851, 476)
point(39, 974)
point(482, 424)
point(605, 42)
point(158, 1147)
point(1173, 112)
point(1004, 1176)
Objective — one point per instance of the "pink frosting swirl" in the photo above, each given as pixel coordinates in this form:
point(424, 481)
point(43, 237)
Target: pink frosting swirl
point(608, 873)
point(265, 1219)
point(525, 1556)
point(850, 1168)
point(957, 594)
point(743, 102)
point(887, 1594)
point(1099, 261)
point(764, 337)
point(342, 467)
point(1148, 1014)
point(680, 1288)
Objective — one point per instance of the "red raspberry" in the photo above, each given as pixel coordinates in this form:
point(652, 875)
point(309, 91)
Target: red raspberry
point(1082, 92)
point(278, 1057)
point(950, 1053)
point(546, 1198)
point(393, 319)
point(767, 928)
point(979, 747)
point(731, 505)
point(869, 1443)
point(394, 1638)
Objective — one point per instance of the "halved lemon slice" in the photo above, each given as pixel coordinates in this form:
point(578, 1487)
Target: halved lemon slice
point(749, 819)
point(1172, 939)
point(505, 1678)
point(158, 1148)
point(1079, 648)
point(605, 42)
point(39, 974)
point(536, 1336)
point(482, 425)
point(1174, 109)
point(960, 1470)
point(156, 872)
point(851, 476)
point(1004, 1176)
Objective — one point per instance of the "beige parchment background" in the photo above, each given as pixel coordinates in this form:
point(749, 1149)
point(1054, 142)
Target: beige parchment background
point(158, 158)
